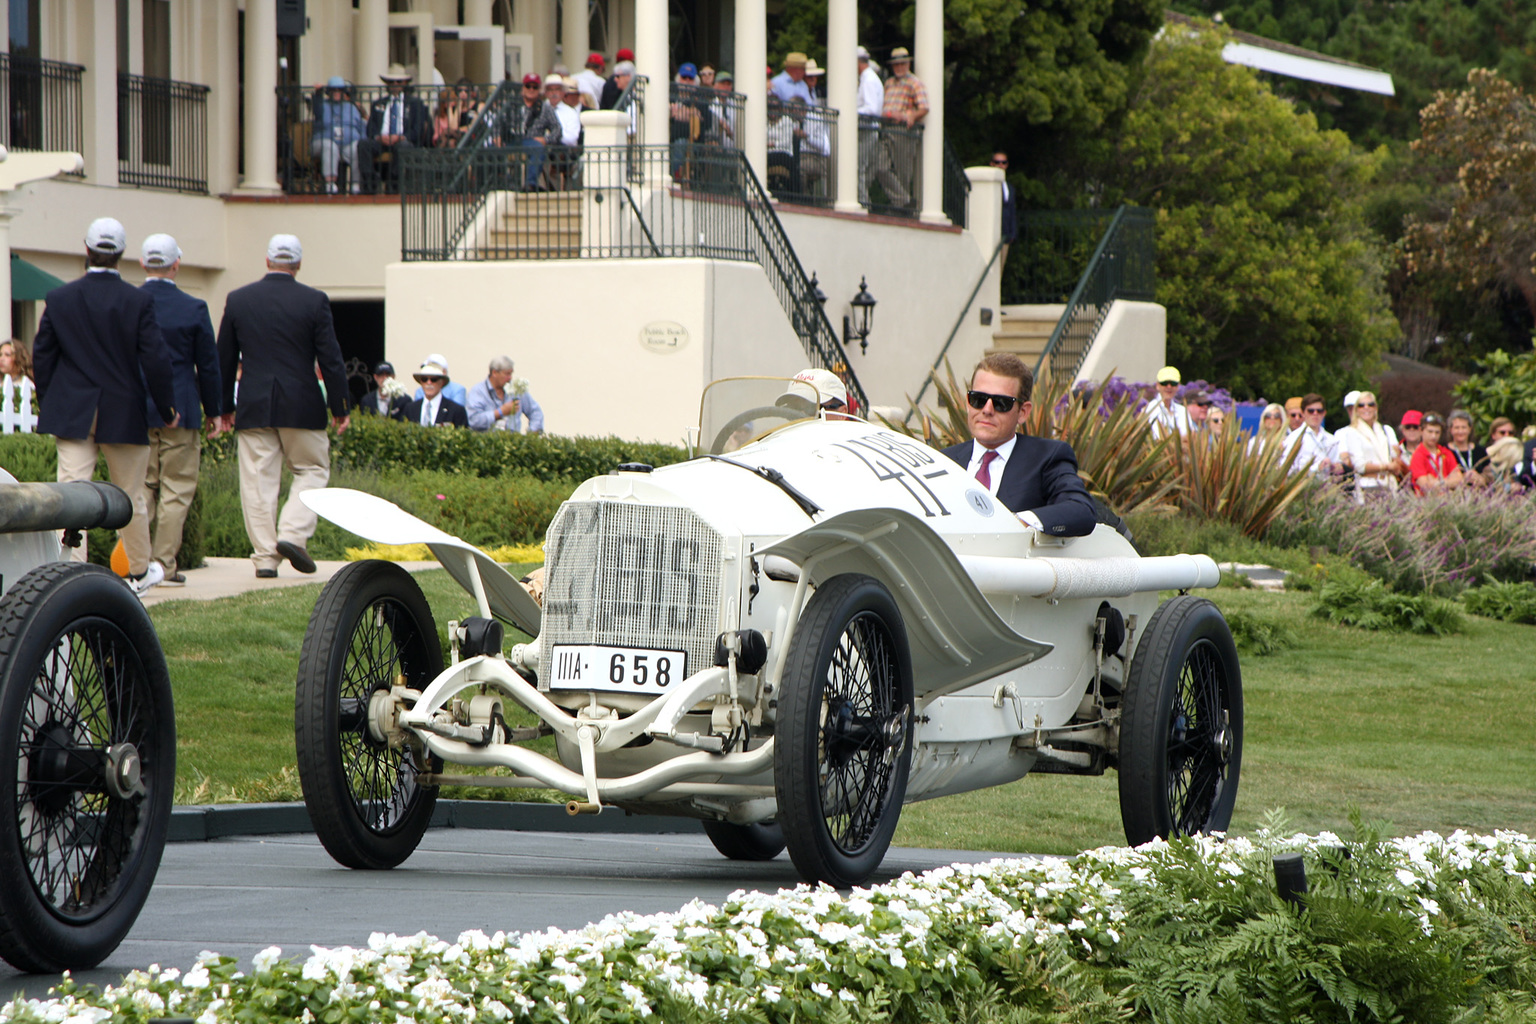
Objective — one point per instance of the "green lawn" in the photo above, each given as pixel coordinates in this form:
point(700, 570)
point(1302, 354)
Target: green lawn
point(1425, 732)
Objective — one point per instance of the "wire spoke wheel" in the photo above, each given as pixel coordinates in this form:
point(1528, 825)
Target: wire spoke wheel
point(371, 631)
point(87, 748)
point(1181, 729)
point(844, 732)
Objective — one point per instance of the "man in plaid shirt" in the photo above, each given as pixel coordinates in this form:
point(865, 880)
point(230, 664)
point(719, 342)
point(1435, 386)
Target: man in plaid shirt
point(906, 104)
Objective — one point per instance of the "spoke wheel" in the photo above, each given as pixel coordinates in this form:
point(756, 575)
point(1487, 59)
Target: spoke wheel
point(1181, 735)
point(370, 628)
point(844, 731)
point(758, 841)
point(87, 765)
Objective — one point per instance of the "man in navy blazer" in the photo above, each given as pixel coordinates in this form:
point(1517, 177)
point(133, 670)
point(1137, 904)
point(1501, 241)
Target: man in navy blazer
point(1034, 477)
point(98, 346)
point(176, 452)
point(275, 331)
point(434, 408)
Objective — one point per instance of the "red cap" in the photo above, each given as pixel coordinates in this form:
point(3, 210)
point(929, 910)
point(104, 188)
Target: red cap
point(596, 58)
point(532, 79)
point(625, 54)
point(1412, 418)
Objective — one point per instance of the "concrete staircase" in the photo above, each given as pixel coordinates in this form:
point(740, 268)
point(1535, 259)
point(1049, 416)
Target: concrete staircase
point(536, 225)
point(1024, 330)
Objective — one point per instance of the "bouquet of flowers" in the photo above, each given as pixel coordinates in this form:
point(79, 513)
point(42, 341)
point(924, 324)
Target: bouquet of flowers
point(392, 388)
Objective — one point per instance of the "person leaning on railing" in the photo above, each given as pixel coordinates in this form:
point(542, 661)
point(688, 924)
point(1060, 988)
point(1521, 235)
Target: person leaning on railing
point(338, 128)
point(692, 118)
point(871, 103)
point(906, 104)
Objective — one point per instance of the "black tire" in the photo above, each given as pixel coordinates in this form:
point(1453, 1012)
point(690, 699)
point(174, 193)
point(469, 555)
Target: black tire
point(87, 765)
point(759, 841)
point(370, 626)
point(844, 731)
point(1181, 731)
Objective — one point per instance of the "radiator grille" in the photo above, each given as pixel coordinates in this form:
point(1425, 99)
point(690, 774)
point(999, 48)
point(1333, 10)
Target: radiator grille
point(632, 575)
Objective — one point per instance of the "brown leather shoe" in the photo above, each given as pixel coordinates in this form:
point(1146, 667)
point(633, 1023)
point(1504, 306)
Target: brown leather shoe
point(297, 556)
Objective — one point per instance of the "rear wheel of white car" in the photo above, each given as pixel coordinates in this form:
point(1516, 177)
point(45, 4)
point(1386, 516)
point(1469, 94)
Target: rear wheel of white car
point(844, 731)
point(87, 765)
point(758, 841)
point(1181, 733)
point(370, 631)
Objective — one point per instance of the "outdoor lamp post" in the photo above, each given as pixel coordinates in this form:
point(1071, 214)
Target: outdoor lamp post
point(858, 325)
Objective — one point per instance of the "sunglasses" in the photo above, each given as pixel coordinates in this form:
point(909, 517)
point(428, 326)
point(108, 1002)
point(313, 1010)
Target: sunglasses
point(1000, 403)
point(1203, 402)
point(431, 380)
point(1503, 432)
point(999, 163)
point(528, 86)
point(1272, 416)
point(1314, 412)
point(1365, 405)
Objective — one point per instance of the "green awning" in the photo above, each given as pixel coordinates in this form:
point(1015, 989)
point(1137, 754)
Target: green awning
point(29, 282)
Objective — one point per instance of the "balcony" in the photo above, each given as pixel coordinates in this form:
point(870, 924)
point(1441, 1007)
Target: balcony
point(162, 133)
point(45, 103)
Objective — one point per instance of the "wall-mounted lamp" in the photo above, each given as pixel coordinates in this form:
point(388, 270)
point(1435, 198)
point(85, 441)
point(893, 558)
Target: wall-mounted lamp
point(858, 325)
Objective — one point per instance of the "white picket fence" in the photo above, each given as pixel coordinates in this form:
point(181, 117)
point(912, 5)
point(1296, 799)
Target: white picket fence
point(17, 414)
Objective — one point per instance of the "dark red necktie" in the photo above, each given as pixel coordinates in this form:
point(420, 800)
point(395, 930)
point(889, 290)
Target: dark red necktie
point(984, 474)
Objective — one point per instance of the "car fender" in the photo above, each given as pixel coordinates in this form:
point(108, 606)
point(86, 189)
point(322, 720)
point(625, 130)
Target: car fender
point(955, 637)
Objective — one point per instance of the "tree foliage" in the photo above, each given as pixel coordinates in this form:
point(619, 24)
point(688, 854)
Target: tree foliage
point(1484, 135)
point(1271, 278)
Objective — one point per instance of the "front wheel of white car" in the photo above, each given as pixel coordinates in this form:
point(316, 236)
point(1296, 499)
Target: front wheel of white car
point(1181, 734)
point(844, 731)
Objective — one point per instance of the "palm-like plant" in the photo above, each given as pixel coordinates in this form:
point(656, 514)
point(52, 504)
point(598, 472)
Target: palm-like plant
point(1219, 478)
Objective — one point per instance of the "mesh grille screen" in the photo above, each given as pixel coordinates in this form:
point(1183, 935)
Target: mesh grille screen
point(632, 575)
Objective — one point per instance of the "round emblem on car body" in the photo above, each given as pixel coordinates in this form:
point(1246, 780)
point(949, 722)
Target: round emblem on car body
point(980, 500)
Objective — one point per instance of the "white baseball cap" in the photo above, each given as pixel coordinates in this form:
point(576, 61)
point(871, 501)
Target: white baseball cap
point(1349, 399)
point(106, 235)
point(439, 359)
point(818, 387)
point(285, 250)
point(159, 251)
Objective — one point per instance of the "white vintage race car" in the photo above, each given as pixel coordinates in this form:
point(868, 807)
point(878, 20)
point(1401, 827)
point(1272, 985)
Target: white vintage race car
point(813, 622)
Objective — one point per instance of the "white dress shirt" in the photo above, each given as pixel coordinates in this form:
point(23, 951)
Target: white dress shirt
point(995, 473)
point(871, 93)
point(1168, 417)
point(570, 123)
point(1315, 447)
point(429, 410)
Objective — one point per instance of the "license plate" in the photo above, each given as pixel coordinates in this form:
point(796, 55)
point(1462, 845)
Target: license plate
point(629, 669)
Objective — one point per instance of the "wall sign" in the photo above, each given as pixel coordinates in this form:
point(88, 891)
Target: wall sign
point(664, 337)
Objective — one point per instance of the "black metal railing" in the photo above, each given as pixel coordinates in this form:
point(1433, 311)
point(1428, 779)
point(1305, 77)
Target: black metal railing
point(44, 103)
point(629, 204)
point(162, 133)
point(632, 99)
point(957, 187)
point(1121, 267)
point(896, 174)
point(802, 153)
point(1050, 252)
point(323, 138)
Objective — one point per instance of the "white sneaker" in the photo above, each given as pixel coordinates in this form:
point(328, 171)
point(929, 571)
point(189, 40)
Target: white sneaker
point(153, 576)
point(330, 188)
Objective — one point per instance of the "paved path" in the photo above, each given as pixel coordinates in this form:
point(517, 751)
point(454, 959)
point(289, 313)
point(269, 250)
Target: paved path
point(239, 895)
point(225, 577)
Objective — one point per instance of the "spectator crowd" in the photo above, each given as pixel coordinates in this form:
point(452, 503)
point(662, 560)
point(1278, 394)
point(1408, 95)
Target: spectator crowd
point(355, 145)
point(1427, 453)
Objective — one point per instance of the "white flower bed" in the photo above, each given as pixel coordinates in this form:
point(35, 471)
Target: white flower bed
point(775, 956)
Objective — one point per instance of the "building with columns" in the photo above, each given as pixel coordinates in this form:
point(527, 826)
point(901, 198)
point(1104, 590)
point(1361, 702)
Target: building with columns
point(194, 117)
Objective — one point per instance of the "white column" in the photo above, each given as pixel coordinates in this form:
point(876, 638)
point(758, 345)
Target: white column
point(652, 60)
point(370, 39)
point(135, 38)
point(984, 219)
point(928, 65)
point(260, 96)
point(575, 26)
point(6, 213)
point(751, 59)
point(478, 12)
point(843, 96)
point(100, 87)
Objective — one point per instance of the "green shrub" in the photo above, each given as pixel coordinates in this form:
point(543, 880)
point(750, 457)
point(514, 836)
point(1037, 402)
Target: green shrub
point(1372, 606)
point(385, 446)
point(1506, 386)
point(30, 458)
point(1509, 602)
point(1259, 635)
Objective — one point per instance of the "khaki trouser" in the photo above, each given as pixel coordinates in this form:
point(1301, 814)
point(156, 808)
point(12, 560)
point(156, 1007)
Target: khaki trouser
point(264, 451)
point(897, 168)
point(126, 465)
point(169, 484)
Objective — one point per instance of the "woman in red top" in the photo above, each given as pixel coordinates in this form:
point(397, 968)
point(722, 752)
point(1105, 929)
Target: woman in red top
point(1433, 467)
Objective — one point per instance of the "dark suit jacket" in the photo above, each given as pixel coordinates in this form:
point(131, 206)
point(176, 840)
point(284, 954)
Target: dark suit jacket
point(188, 333)
point(368, 405)
point(276, 330)
point(1010, 213)
point(416, 126)
point(98, 346)
point(1528, 460)
point(1041, 477)
point(449, 413)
